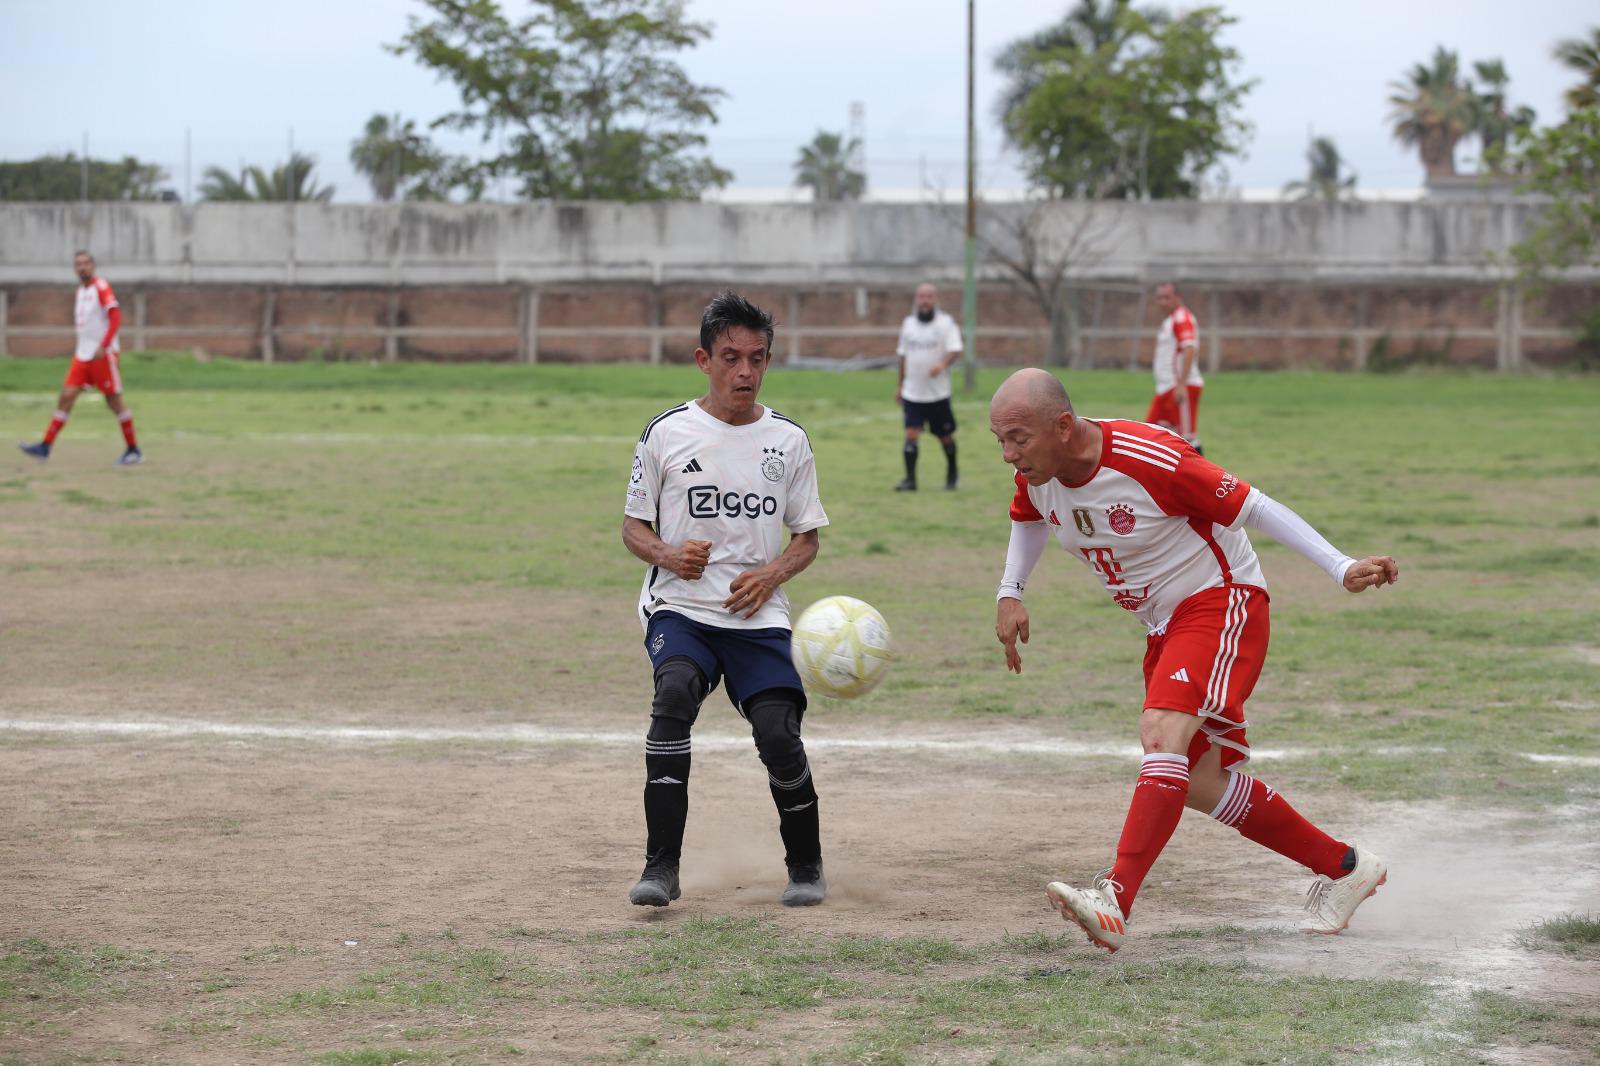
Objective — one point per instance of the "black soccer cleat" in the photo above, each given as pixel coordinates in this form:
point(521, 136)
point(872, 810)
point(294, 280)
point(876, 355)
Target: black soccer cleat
point(906, 485)
point(39, 451)
point(807, 887)
point(131, 457)
point(657, 887)
point(950, 484)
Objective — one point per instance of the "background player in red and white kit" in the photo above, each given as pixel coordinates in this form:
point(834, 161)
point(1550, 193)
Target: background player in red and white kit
point(1163, 529)
point(1176, 405)
point(94, 363)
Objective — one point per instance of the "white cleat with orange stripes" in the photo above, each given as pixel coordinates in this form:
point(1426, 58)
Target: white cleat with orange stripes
point(1095, 909)
point(1331, 903)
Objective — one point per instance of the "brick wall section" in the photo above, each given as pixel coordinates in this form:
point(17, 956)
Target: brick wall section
point(1300, 326)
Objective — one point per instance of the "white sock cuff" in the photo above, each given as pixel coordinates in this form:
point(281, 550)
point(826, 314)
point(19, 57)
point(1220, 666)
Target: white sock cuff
point(1234, 798)
point(125, 416)
point(61, 416)
point(1170, 767)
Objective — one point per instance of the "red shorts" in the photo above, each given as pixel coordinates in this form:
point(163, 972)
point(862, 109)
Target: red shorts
point(103, 374)
point(1207, 662)
point(1164, 410)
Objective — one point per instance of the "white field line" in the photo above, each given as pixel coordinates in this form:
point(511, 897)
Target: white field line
point(544, 735)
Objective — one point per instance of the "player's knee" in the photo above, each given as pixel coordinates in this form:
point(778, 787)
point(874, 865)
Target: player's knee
point(1166, 731)
point(680, 689)
point(775, 724)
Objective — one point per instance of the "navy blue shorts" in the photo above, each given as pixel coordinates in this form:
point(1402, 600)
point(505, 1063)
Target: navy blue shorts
point(751, 660)
point(935, 414)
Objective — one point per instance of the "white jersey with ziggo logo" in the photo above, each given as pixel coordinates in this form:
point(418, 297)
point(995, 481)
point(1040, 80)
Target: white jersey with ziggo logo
point(1156, 522)
point(740, 487)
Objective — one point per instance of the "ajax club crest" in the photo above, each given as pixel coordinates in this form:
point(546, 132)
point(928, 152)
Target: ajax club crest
point(1121, 517)
point(772, 464)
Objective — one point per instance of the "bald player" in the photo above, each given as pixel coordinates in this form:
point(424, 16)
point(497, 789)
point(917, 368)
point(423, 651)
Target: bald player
point(1163, 529)
point(930, 342)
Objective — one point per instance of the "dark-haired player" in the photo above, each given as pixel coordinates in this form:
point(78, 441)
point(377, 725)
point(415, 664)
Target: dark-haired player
point(716, 482)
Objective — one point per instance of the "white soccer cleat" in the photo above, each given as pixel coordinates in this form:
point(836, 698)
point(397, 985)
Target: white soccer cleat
point(1331, 903)
point(1095, 909)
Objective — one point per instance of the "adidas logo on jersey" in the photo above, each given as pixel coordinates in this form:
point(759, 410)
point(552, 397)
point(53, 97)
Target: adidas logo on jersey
point(1181, 675)
point(693, 467)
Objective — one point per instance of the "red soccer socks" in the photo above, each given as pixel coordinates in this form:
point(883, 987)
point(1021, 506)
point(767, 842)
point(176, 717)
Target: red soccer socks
point(1263, 815)
point(1152, 816)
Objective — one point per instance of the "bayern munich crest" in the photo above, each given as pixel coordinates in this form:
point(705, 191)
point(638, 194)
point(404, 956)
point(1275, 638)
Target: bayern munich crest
point(1121, 518)
point(772, 465)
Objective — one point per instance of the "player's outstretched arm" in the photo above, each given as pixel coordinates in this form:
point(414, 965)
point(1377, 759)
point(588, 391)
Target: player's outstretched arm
point(688, 560)
point(753, 588)
point(1282, 524)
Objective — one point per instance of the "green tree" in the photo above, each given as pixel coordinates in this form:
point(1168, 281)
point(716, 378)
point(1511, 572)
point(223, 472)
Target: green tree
point(60, 177)
point(291, 181)
point(1562, 163)
point(397, 160)
point(1324, 180)
point(1145, 108)
point(824, 168)
point(1088, 28)
point(581, 96)
point(1492, 120)
point(1582, 56)
point(1432, 109)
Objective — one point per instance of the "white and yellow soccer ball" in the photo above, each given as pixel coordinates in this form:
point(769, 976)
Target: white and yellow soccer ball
point(841, 647)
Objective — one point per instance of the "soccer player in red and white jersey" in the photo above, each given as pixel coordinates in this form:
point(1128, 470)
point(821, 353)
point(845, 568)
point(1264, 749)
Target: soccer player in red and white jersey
point(1176, 405)
point(94, 363)
point(1164, 531)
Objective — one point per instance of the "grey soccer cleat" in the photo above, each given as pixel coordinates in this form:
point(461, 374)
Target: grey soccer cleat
point(657, 887)
point(807, 887)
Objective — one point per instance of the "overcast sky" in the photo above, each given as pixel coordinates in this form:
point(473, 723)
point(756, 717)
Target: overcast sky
point(135, 74)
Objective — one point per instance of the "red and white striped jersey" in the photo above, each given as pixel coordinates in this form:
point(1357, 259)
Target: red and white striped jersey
point(1177, 329)
point(1155, 521)
point(93, 317)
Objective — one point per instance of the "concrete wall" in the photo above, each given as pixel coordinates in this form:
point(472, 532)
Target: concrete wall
point(1272, 284)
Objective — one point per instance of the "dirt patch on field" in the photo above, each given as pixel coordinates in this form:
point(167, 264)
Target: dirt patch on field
point(254, 873)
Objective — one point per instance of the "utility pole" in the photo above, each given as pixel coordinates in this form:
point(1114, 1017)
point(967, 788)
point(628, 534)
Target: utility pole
point(969, 292)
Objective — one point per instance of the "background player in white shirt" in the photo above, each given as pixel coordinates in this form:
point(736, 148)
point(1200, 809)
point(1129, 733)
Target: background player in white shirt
point(95, 363)
point(715, 483)
point(1176, 404)
point(930, 341)
point(1163, 529)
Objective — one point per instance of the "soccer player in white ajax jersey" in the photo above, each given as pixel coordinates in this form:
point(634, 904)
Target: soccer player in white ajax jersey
point(95, 362)
point(1163, 529)
point(716, 482)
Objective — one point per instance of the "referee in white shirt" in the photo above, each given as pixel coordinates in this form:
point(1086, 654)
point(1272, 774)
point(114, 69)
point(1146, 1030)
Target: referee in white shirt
point(930, 343)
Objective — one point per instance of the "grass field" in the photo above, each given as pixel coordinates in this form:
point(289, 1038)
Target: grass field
point(428, 558)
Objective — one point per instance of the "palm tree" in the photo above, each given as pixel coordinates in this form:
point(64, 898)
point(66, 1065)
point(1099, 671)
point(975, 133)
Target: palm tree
point(292, 181)
point(824, 167)
point(1582, 55)
point(1433, 109)
point(1323, 182)
point(389, 152)
point(1493, 124)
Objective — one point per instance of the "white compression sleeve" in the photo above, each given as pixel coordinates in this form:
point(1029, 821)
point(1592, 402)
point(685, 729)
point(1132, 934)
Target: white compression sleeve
point(1287, 528)
point(1027, 545)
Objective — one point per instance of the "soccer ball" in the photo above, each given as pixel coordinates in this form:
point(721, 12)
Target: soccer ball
point(841, 647)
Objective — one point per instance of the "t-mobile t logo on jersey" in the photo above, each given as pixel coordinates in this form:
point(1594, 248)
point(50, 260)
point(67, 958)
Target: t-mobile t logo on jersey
point(1105, 564)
